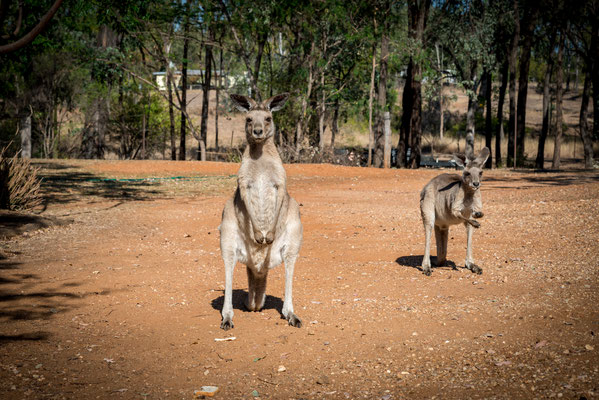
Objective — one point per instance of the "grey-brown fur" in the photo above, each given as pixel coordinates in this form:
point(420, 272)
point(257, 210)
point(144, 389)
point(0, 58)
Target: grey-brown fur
point(261, 224)
point(451, 199)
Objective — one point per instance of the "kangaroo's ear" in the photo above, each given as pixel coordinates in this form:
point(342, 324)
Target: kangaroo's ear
point(482, 157)
point(275, 103)
point(243, 103)
point(460, 160)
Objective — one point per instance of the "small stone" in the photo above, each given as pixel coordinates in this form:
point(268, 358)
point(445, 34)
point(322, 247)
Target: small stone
point(208, 391)
point(589, 347)
point(281, 368)
point(323, 380)
point(255, 393)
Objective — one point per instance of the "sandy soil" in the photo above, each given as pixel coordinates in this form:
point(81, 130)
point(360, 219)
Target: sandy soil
point(124, 302)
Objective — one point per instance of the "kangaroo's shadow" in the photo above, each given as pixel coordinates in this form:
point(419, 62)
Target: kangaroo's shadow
point(239, 297)
point(416, 262)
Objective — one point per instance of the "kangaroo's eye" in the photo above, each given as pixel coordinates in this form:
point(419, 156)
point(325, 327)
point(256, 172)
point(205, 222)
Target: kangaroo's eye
point(268, 119)
point(466, 173)
point(481, 173)
point(248, 120)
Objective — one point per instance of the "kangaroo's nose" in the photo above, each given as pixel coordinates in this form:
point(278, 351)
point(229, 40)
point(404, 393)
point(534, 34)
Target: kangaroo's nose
point(258, 131)
point(476, 184)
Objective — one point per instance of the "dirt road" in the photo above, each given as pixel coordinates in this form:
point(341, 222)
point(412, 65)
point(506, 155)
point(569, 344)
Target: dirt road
point(124, 301)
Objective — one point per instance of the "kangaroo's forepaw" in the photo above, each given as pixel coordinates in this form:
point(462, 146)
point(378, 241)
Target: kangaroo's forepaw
point(478, 214)
point(294, 320)
point(226, 324)
point(258, 237)
point(270, 237)
point(474, 223)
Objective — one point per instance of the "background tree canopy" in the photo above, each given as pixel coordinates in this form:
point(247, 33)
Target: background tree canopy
point(101, 79)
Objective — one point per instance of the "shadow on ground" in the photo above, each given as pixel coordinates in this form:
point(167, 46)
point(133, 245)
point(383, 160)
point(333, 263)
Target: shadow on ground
point(24, 297)
point(416, 262)
point(239, 296)
point(15, 223)
point(525, 180)
point(66, 183)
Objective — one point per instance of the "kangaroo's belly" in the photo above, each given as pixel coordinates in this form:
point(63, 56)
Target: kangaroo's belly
point(263, 198)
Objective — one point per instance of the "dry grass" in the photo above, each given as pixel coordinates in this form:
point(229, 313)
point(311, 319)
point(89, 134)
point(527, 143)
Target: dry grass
point(19, 184)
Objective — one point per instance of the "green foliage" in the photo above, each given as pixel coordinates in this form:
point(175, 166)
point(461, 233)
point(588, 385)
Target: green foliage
point(90, 72)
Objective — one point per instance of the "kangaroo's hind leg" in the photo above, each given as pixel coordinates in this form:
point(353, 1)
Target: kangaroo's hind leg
point(290, 253)
point(441, 236)
point(256, 289)
point(228, 249)
point(469, 260)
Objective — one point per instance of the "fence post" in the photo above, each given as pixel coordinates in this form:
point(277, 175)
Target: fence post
point(387, 147)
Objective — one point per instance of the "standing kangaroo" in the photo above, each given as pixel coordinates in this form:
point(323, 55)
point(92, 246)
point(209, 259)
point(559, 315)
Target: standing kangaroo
point(451, 199)
point(261, 224)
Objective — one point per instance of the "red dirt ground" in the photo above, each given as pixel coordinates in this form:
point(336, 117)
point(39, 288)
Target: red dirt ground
point(124, 302)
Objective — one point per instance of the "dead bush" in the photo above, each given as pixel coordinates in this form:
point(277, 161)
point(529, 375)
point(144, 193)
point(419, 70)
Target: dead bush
point(19, 184)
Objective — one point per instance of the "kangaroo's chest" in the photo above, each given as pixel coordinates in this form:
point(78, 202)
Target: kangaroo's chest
point(262, 183)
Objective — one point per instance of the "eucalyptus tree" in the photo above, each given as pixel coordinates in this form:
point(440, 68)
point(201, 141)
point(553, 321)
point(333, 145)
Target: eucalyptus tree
point(584, 35)
point(411, 120)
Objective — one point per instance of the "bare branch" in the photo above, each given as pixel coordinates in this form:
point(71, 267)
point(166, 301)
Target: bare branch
point(28, 38)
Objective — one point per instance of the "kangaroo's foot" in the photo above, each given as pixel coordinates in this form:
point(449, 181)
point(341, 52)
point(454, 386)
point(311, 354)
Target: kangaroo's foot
point(474, 268)
point(226, 324)
point(294, 320)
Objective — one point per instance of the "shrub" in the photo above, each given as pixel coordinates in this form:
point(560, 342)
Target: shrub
point(19, 184)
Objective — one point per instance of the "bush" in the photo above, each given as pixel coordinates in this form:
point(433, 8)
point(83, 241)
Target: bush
point(19, 184)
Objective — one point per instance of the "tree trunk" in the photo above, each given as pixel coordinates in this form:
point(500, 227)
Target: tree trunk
point(540, 160)
point(370, 97)
point(440, 68)
point(143, 132)
point(205, 98)
point(489, 117)
point(595, 73)
point(254, 92)
point(411, 130)
point(527, 33)
point(379, 139)
point(500, 101)
point(416, 117)
point(92, 143)
point(218, 86)
point(555, 164)
point(171, 113)
point(585, 133)
point(335, 124)
point(299, 127)
point(25, 131)
point(513, 60)
point(406, 117)
point(183, 105)
point(321, 113)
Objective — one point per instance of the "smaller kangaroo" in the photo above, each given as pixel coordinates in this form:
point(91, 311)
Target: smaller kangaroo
point(451, 199)
point(261, 224)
